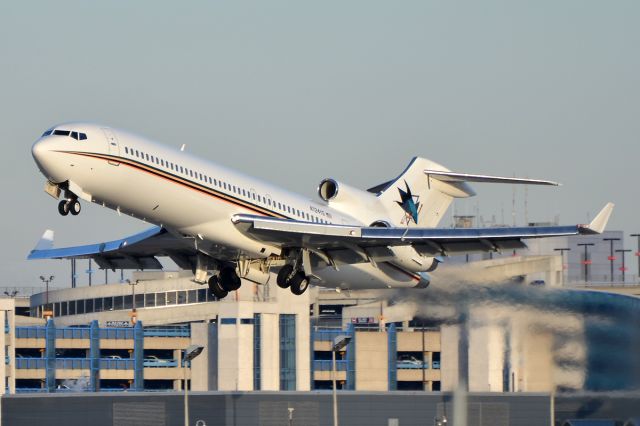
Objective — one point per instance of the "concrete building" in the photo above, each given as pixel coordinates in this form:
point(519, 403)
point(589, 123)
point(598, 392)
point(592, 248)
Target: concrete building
point(468, 329)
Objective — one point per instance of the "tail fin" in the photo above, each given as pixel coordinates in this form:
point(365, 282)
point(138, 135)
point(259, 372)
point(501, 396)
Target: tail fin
point(416, 199)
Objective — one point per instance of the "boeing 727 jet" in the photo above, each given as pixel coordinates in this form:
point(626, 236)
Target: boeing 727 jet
point(226, 226)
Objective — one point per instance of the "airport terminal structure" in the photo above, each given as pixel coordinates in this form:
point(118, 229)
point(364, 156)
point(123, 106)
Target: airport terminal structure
point(131, 336)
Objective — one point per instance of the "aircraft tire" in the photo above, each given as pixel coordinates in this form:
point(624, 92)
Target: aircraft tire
point(229, 279)
point(283, 276)
point(215, 289)
point(74, 207)
point(63, 208)
point(299, 283)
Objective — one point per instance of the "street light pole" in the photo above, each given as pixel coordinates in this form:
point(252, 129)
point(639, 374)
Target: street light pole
point(611, 256)
point(46, 281)
point(586, 262)
point(623, 268)
point(133, 300)
point(190, 353)
point(339, 343)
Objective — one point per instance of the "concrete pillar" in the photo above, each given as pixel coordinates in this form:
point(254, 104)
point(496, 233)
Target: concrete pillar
point(138, 356)
point(50, 356)
point(200, 365)
point(392, 349)
point(94, 356)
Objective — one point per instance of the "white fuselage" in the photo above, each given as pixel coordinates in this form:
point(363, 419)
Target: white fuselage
point(189, 196)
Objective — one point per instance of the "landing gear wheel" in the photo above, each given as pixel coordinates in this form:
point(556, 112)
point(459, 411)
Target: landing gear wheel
point(229, 279)
point(215, 289)
point(283, 276)
point(74, 207)
point(63, 208)
point(299, 283)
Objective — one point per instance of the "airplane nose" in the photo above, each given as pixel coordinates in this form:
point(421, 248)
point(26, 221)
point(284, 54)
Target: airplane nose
point(43, 155)
point(38, 150)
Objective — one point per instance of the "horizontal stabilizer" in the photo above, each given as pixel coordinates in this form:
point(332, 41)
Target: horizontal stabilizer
point(446, 176)
point(599, 223)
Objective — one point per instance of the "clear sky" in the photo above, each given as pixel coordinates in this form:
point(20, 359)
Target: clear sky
point(295, 91)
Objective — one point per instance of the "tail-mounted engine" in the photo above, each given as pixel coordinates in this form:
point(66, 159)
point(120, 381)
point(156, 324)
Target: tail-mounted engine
point(359, 204)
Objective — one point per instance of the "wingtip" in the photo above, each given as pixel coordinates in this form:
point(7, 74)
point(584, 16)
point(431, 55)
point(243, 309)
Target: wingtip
point(599, 223)
point(46, 241)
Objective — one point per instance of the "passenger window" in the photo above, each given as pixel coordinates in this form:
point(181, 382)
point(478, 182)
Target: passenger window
point(147, 155)
point(126, 150)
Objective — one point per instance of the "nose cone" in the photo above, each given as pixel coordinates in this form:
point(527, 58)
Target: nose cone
point(44, 157)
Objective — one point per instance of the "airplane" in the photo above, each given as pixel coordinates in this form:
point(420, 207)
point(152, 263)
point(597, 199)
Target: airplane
point(226, 226)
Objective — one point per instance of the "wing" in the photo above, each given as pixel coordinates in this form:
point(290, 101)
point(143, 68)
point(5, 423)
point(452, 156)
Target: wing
point(344, 242)
point(139, 251)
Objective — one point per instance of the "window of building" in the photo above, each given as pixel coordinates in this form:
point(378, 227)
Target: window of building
point(97, 305)
point(107, 303)
point(287, 352)
point(202, 295)
point(63, 308)
point(72, 307)
point(182, 297)
point(150, 300)
point(128, 302)
point(80, 307)
point(88, 306)
point(171, 298)
point(161, 299)
point(192, 296)
point(117, 303)
point(139, 299)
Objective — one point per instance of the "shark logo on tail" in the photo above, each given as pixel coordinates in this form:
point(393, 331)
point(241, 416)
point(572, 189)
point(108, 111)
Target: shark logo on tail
point(409, 203)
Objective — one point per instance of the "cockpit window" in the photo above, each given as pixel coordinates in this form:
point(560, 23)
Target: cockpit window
point(71, 133)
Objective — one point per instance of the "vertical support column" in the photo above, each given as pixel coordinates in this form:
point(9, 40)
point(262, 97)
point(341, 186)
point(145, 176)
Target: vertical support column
point(312, 351)
point(392, 347)
point(94, 356)
point(351, 359)
point(213, 355)
point(138, 356)
point(50, 356)
point(257, 358)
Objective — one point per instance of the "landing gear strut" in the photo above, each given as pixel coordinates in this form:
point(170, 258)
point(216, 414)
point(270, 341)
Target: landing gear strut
point(69, 206)
point(296, 281)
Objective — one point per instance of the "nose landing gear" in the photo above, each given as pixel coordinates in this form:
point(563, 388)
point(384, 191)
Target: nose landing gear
point(69, 206)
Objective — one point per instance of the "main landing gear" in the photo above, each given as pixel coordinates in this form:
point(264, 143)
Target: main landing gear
point(71, 205)
point(227, 280)
point(295, 280)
